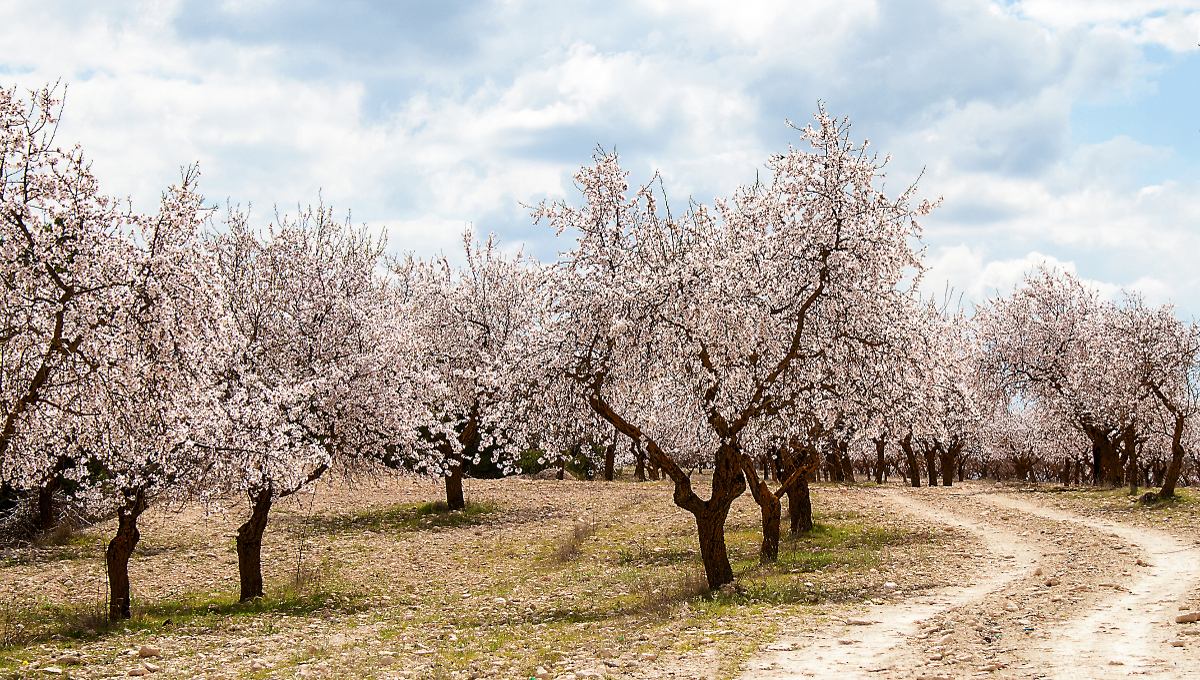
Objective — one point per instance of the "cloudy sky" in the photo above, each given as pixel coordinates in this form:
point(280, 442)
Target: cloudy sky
point(1060, 130)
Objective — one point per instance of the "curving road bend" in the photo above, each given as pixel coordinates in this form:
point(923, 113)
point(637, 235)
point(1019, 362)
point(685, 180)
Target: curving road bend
point(1091, 614)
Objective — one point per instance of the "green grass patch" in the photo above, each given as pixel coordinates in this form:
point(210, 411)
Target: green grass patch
point(399, 518)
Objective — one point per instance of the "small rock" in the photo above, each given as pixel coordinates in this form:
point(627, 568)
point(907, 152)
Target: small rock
point(153, 668)
point(259, 665)
point(845, 641)
point(254, 649)
point(1178, 643)
point(1012, 607)
point(69, 660)
point(139, 671)
point(566, 676)
point(1052, 581)
point(312, 649)
point(1037, 572)
point(706, 641)
point(147, 651)
point(648, 656)
point(778, 647)
point(858, 622)
point(945, 639)
point(541, 673)
point(994, 666)
point(1190, 617)
point(890, 585)
point(935, 657)
point(1114, 662)
point(387, 660)
point(51, 670)
point(500, 601)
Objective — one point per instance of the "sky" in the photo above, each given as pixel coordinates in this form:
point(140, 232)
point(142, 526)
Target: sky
point(1058, 131)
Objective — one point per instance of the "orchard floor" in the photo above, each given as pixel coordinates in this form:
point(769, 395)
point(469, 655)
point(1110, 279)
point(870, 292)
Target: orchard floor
point(590, 579)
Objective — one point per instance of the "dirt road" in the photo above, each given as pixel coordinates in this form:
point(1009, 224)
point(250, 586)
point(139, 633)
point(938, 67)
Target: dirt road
point(1054, 594)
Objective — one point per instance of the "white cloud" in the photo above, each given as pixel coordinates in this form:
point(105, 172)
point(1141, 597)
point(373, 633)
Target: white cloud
point(979, 93)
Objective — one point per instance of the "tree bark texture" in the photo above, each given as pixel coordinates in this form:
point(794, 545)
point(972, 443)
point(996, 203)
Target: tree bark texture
point(1177, 454)
point(610, 457)
point(249, 544)
point(116, 557)
point(768, 504)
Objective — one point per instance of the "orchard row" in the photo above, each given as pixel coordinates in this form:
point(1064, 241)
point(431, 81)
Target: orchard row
point(186, 354)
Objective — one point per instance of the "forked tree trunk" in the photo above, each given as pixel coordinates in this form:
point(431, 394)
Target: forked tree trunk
point(610, 457)
point(249, 544)
point(844, 462)
point(914, 469)
point(116, 557)
point(1177, 454)
point(768, 505)
point(950, 456)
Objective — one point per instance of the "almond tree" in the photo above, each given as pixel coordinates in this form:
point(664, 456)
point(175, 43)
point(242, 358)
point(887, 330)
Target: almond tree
point(1053, 340)
point(686, 330)
point(65, 261)
point(1165, 352)
point(475, 325)
point(150, 397)
point(323, 373)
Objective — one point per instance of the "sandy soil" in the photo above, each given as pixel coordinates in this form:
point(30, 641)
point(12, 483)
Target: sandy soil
point(1059, 594)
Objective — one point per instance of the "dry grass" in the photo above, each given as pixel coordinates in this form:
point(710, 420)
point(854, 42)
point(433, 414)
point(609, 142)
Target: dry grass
point(577, 575)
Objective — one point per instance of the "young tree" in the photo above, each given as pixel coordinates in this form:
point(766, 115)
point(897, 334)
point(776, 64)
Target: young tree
point(475, 326)
point(685, 331)
point(324, 373)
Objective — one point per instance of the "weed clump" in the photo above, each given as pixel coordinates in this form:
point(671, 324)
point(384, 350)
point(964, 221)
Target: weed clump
point(569, 548)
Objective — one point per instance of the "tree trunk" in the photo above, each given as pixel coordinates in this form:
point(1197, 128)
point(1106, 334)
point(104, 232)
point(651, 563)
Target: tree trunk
point(1177, 454)
point(930, 463)
point(639, 457)
point(843, 456)
point(1129, 443)
point(116, 558)
point(717, 570)
point(46, 516)
point(768, 504)
point(914, 469)
point(654, 472)
point(949, 455)
point(880, 461)
point(454, 487)
point(610, 457)
point(249, 544)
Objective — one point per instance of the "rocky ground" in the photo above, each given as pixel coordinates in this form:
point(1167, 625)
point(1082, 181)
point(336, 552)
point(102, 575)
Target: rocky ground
point(1073, 584)
point(579, 580)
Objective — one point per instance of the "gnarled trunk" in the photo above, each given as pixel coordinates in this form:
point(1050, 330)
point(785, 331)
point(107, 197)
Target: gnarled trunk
point(249, 544)
point(116, 557)
point(768, 504)
point(610, 457)
point(1177, 454)
point(930, 463)
point(949, 461)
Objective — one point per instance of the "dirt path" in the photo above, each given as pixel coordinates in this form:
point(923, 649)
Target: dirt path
point(1054, 595)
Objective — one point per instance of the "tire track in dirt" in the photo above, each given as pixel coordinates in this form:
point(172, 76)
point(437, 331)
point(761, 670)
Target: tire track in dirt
point(1106, 632)
point(885, 648)
point(1129, 633)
